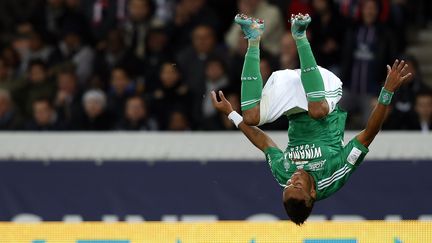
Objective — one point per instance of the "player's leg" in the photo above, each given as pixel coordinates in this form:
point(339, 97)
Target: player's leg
point(310, 75)
point(252, 82)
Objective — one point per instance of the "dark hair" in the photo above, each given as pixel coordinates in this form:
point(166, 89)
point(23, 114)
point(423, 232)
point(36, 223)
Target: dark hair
point(37, 62)
point(206, 26)
point(219, 60)
point(123, 69)
point(410, 58)
point(425, 92)
point(151, 7)
point(42, 100)
point(298, 210)
point(133, 97)
point(67, 69)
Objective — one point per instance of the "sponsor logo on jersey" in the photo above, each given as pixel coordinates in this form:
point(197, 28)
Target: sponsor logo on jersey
point(316, 165)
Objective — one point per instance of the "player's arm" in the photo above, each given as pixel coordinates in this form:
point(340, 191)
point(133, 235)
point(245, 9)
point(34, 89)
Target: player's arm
point(261, 140)
point(395, 77)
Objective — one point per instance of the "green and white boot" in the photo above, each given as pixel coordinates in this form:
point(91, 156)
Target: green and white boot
point(252, 28)
point(299, 24)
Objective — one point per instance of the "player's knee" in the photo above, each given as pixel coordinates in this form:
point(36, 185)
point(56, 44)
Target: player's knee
point(317, 114)
point(318, 110)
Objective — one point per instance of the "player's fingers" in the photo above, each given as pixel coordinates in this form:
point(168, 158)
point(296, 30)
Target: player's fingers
point(401, 65)
point(213, 98)
point(406, 77)
point(404, 69)
point(388, 69)
point(396, 62)
point(222, 96)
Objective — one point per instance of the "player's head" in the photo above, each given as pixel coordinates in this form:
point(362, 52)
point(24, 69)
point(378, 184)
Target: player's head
point(299, 196)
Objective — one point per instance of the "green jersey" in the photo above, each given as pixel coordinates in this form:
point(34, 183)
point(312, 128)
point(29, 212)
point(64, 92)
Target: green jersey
point(317, 147)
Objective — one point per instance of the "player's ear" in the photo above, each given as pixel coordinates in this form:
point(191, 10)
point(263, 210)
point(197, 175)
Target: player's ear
point(313, 193)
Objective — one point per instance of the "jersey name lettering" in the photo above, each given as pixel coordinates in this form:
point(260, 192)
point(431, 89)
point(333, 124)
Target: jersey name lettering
point(305, 154)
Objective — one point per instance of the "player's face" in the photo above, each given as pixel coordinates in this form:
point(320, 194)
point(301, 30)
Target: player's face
point(299, 186)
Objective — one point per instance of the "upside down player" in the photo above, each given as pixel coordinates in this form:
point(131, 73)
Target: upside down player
point(315, 163)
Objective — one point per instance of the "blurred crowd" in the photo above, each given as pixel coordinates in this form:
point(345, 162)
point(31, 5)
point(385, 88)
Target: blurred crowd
point(99, 65)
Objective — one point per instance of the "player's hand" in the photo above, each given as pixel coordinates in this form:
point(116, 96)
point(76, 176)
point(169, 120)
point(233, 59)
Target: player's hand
point(222, 106)
point(396, 75)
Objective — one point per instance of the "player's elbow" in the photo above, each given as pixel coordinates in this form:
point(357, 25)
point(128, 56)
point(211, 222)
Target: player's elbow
point(251, 120)
point(251, 117)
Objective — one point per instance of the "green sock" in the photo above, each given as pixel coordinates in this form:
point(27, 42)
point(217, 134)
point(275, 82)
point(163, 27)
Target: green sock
point(310, 76)
point(251, 86)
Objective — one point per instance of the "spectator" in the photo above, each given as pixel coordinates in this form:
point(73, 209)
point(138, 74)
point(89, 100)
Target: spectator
point(10, 12)
point(44, 117)
point(38, 85)
point(140, 20)
point(35, 49)
point(178, 121)
point(72, 49)
point(368, 48)
point(48, 18)
point(51, 39)
point(95, 116)
point(165, 10)
point(400, 21)
point(104, 15)
point(404, 99)
point(158, 52)
point(12, 60)
point(7, 80)
point(190, 14)
point(74, 16)
point(327, 32)
point(192, 60)
point(353, 9)
point(273, 21)
point(216, 79)
point(136, 116)
point(220, 121)
point(122, 87)
point(68, 98)
point(9, 117)
point(422, 119)
point(113, 53)
point(171, 94)
point(288, 58)
point(5, 71)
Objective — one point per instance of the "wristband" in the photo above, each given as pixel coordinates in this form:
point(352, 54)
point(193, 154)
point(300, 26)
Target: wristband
point(235, 118)
point(385, 97)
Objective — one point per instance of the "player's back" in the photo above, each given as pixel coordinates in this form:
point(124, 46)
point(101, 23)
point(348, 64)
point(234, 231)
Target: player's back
point(324, 134)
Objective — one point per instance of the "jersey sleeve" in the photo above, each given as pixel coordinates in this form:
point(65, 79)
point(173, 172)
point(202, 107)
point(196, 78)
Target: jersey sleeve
point(280, 167)
point(346, 161)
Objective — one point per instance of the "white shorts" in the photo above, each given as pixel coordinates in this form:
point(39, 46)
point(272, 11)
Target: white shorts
point(283, 94)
